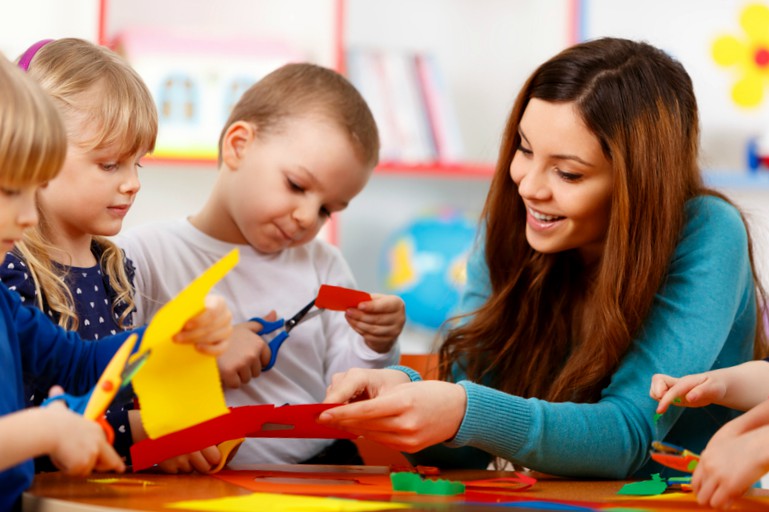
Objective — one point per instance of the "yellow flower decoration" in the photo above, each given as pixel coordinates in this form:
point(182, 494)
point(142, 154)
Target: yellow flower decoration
point(751, 55)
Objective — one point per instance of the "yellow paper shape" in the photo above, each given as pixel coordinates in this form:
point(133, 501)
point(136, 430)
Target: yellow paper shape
point(266, 502)
point(179, 387)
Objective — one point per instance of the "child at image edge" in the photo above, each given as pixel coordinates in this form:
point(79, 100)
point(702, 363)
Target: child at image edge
point(738, 454)
point(32, 149)
point(66, 265)
point(299, 146)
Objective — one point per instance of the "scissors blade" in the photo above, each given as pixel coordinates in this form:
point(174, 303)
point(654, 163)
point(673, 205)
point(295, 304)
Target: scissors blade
point(133, 366)
point(291, 322)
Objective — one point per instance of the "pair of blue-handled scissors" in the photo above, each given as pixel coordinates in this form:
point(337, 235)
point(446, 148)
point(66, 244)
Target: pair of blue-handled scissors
point(280, 336)
point(118, 373)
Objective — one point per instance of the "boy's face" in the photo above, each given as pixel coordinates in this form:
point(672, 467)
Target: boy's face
point(17, 213)
point(287, 183)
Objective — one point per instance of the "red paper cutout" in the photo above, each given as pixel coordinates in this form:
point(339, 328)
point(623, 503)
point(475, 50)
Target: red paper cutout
point(296, 421)
point(338, 298)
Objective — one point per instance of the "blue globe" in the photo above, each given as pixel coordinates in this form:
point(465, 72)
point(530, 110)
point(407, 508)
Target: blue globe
point(425, 263)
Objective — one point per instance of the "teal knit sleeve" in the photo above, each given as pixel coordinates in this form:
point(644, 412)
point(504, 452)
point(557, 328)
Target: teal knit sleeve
point(703, 317)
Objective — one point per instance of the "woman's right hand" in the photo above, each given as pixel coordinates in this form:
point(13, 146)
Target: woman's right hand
point(385, 407)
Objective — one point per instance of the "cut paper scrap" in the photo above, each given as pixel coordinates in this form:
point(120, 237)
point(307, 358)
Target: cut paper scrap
point(518, 483)
point(178, 386)
point(657, 485)
point(121, 481)
point(412, 482)
point(267, 502)
point(297, 421)
point(338, 298)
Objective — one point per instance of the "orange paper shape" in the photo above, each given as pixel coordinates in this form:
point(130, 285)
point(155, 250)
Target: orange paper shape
point(338, 298)
point(178, 386)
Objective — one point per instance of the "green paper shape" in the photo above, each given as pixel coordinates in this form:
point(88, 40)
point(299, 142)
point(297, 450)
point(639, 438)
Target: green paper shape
point(412, 482)
point(652, 487)
point(405, 481)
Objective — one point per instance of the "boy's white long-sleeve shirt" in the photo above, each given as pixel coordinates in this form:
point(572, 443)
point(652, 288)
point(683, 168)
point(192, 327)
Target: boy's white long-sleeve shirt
point(169, 255)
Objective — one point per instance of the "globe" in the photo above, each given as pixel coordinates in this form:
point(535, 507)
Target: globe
point(425, 263)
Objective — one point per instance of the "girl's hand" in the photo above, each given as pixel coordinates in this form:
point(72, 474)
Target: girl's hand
point(379, 320)
point(210, 329)
point(407, 417)
point(696, 390)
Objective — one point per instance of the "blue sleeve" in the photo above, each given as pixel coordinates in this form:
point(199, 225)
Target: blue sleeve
point(703, 317)
point(51, 355)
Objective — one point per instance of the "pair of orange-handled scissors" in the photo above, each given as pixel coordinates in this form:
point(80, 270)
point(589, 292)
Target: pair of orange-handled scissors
point(118, 373)
point(673, 456)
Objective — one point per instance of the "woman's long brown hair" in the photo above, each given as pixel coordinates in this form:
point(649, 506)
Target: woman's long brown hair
point(552, 328)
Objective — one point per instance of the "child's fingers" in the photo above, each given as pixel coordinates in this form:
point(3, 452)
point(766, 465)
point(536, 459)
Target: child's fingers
point(660, 385)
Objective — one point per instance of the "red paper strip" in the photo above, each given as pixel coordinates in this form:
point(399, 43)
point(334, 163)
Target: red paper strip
point(288, 421)
point(338, 298)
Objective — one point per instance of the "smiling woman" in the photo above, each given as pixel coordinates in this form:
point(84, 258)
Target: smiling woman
point(602, 260)
point(564, 179)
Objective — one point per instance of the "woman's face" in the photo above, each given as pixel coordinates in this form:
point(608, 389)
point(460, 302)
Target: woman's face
point(564, 179)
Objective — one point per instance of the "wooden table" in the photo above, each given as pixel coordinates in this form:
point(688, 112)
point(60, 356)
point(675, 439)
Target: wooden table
point(53, 492)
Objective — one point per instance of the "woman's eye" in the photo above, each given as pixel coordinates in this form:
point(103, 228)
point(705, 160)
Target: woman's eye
point(568, 176)
point(524, 150)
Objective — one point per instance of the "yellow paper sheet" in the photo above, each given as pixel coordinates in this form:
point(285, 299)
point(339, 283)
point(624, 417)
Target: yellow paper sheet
point(179, 387)
point(266, 502)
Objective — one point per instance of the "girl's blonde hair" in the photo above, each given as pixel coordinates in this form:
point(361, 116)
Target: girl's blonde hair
point(33, 143)
point(94, 87)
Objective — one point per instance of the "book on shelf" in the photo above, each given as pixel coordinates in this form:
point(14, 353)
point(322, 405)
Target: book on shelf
point(411, 104)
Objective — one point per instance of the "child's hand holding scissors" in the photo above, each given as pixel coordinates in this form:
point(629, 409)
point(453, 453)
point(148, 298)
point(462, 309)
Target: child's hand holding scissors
point(77, 445)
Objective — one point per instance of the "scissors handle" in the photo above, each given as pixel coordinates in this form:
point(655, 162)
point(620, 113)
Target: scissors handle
point(78, 405)
point(275, 343)
point(74, 403)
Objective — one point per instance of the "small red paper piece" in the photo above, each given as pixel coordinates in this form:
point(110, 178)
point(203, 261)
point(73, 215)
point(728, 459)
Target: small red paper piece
point(295, 421)
point(520, 482)
point(338, 298)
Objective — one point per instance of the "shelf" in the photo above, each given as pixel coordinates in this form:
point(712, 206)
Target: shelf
point(741, 180)
point(437, 169)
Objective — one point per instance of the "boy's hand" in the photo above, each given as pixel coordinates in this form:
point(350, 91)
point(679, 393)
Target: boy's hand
point(78, 445)
point(202, 461)
point(210, 329)
point(244, 358)
point(696, 390)
point(379, 320)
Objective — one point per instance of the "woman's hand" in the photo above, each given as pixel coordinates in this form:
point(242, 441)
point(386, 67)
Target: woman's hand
point(408, 417)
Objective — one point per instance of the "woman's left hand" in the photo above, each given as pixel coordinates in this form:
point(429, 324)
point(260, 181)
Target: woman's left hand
point(210, 329)
point(407, 417)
